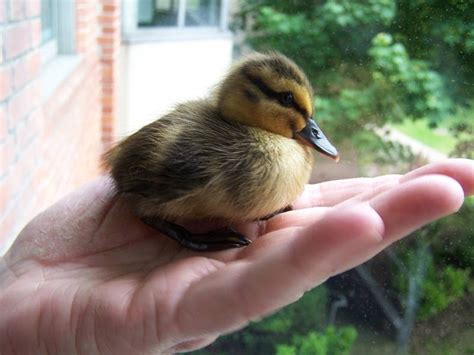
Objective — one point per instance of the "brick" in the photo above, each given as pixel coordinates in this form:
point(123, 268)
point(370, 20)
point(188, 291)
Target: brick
point(17, 40)
point(3, 10)
point(17, 9)
point(1, 46)
point(29, 197)
point(28, 130)
point(35, 32)
point(108, 71)
point(109, 56)
point(7, 155)
point(106, 41)
point(108, 61)
point(109, 20)
point(76, 123)
point(106, 30)
point(10, 187)
point(22, 103)
point(108, 118)
point(110, 2)
point(5, 82)
point(107, 131)
point(107, 100)
point(3, 123)
point(107, 109)
point(7, 221)
point(26, 69)
point(33, 8)
point(113, 7)
point(27, 161)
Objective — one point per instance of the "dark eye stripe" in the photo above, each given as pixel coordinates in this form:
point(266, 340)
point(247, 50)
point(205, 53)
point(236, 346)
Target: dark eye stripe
point(272, 94)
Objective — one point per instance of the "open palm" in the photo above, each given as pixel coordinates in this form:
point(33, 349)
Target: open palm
point(86, 277)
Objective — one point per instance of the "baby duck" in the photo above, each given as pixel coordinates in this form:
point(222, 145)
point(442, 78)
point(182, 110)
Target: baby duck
point(240, 155)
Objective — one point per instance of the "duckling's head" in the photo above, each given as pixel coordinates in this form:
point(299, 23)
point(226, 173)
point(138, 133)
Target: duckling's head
point(271, 92)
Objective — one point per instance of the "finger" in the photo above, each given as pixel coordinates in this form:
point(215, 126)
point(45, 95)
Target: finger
point(461, 170)
point(353, 191)
point(357, 190)
point(405, 209)
point(361, 189)
point(257, 285)
point(303, 257)
point(330, 193)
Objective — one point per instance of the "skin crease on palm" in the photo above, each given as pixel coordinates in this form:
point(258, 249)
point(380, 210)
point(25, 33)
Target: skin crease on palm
point(86, 277)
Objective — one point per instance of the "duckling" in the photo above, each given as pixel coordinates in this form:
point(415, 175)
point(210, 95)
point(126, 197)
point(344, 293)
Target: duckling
point(242, 154)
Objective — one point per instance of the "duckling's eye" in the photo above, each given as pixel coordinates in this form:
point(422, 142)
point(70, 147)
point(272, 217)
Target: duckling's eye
point(286, 99)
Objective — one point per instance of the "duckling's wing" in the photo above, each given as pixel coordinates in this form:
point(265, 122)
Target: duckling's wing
point(205, 149)
point(182, 171)
point(175, 155)
point(153, 162)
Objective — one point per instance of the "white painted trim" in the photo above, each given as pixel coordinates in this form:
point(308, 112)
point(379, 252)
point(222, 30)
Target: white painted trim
point(172, 34)
point(49, 51)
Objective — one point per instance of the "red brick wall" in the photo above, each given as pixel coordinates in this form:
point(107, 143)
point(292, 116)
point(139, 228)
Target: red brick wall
point(109, 40)
point(49, 146)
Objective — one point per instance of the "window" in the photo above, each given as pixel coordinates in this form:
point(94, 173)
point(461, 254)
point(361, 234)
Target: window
point(48, 20)
point(202, 13)
point(57, 24)
point(48, 30)
point(162, 13)
point(57, 43)
point(179, 13)
point(159, 18)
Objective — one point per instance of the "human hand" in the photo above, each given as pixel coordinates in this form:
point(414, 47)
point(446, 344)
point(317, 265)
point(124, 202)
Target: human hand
point(86, 277)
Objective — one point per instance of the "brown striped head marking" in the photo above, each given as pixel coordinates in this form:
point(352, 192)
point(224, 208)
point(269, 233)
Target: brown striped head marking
point(268, 91)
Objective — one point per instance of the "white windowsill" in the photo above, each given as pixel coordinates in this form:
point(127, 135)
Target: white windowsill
point(55, 72)
point(166, 34)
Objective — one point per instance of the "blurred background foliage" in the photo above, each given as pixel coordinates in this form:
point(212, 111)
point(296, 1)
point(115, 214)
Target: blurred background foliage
point(378, 65)
point(375, 62)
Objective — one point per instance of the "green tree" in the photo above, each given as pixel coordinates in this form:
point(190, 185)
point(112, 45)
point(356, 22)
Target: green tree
point(332, 341)
point(306, 315)
point(366, 64)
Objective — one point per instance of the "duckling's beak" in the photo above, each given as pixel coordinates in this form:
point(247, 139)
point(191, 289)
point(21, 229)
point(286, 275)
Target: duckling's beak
point(314, 137)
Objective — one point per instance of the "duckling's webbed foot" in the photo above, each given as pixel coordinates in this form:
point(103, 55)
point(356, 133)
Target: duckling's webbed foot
point(219, 239)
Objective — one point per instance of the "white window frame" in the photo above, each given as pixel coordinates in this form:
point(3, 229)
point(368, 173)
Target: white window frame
point(63, 24)
point(58, 57)
point(132, 33)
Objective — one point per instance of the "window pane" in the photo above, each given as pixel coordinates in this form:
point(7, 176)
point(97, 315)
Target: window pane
point(202, 12)
point(163, 13)
point(47, 15)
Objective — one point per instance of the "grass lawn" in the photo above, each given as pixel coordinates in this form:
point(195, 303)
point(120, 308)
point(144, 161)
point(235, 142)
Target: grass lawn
point(439, 139)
